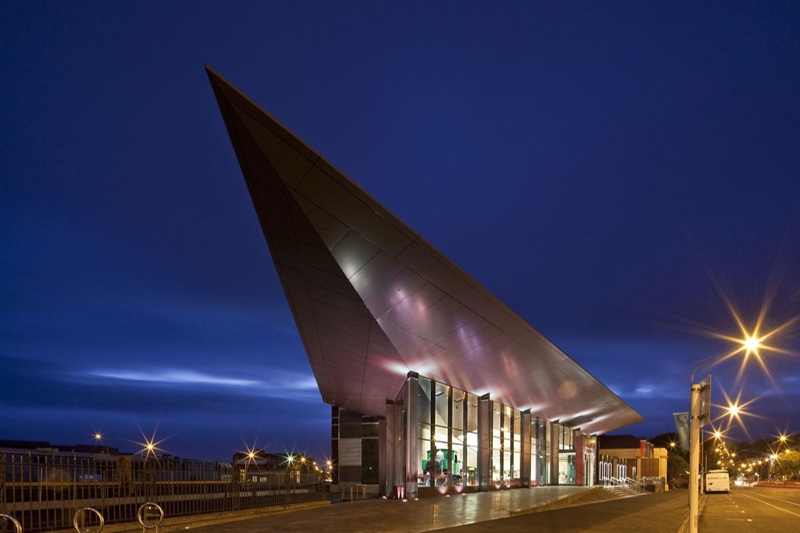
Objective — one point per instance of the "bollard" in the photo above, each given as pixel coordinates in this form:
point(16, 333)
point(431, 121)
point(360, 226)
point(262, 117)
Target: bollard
point(79, 520)
point(9, 518)
point(150, 515)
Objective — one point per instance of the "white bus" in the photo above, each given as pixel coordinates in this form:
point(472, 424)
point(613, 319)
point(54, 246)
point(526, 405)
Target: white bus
point(717, 481)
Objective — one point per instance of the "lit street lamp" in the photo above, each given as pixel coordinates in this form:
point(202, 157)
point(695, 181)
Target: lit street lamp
point(700, 407)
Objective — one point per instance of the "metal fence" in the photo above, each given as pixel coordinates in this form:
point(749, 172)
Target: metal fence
point(43, 490)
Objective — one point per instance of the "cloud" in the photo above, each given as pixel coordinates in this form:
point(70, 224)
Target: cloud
point(36, 384)
point(174, 376)
point(277, 383)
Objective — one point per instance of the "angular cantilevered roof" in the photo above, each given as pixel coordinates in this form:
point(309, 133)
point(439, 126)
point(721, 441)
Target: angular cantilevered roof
point(373, 300)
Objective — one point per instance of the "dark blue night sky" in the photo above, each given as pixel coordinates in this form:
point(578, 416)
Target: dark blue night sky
point(611, 170)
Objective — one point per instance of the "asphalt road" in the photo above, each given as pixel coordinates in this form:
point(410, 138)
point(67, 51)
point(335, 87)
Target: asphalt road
point(754, 509)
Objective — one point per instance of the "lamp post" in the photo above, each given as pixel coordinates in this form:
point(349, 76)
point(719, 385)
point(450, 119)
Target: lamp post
point(699, 412)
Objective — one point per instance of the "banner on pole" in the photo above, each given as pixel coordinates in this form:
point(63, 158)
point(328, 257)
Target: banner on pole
point(705, 401)
point(682, 429)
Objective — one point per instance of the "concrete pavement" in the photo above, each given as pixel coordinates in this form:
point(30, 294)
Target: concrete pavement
point(580, 509)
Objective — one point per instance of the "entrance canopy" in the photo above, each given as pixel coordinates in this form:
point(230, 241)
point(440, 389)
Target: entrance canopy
point(373, 300)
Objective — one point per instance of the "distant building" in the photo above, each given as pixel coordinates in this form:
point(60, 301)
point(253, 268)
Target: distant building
point(436, 385)
point(627, 456)
point(45, 446)
point(262, 466)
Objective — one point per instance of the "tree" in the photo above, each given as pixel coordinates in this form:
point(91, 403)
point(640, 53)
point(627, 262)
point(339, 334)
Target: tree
point(671, 442)
point(677, 469)
point(787, 466)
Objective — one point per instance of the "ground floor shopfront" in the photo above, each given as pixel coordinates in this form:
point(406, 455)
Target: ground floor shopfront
point(435, 437)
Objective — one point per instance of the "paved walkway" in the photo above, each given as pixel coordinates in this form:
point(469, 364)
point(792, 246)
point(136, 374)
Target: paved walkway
point(651, 513)
point(507, 510)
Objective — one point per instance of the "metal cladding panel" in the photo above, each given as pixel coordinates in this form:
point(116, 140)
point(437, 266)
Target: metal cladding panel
point(330, 230)
point(399, 289)
point(326, 301)
point(353, 252)
point(408, 313)
point(355, 327)
point(423, 259)
point(375, 275)
point(289, 162)
point(373, 301)
point(322, 189)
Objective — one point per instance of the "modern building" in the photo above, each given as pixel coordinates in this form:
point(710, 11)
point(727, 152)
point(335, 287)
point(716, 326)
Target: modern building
point(435, 384)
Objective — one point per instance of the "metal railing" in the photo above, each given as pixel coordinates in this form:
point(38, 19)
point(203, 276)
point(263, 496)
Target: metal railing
point(636, 485)
point(42, 490)
point(626, 483)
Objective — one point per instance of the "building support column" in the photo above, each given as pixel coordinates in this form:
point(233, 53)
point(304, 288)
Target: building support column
point(386, 451)
point(580, 459)
point(525, 452)
point(555, 446)
point(484, 442)
point(412, 435)
point(334, 445)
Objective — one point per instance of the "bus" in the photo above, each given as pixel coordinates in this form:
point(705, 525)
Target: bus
point(717, 481)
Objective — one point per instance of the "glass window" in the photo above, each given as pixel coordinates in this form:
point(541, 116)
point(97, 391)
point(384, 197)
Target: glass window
point(459, 398)
point(471, 457)
point(543, 454)
point(516, 444)
point(459, 448)
point(506, 435)
point(442, 404)
point(496, 467)
point(443, 450)
point(566, 468)
point(424, 403)
point(460, 407)
point(567, 438)
point(427, 467)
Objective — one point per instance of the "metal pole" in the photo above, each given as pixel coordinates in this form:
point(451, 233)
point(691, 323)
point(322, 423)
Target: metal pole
point(694, 457)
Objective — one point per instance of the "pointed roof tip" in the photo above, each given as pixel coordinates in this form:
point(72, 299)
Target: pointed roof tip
point(214, 75)
point(228, 94)
point(222, 82)
point(227, 89)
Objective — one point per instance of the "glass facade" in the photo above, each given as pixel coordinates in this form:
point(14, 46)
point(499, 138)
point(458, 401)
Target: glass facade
point(446, 438)
point(566, 455)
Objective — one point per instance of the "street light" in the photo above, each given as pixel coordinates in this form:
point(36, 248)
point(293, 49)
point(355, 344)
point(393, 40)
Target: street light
point(698, 410)
point(700, 406)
